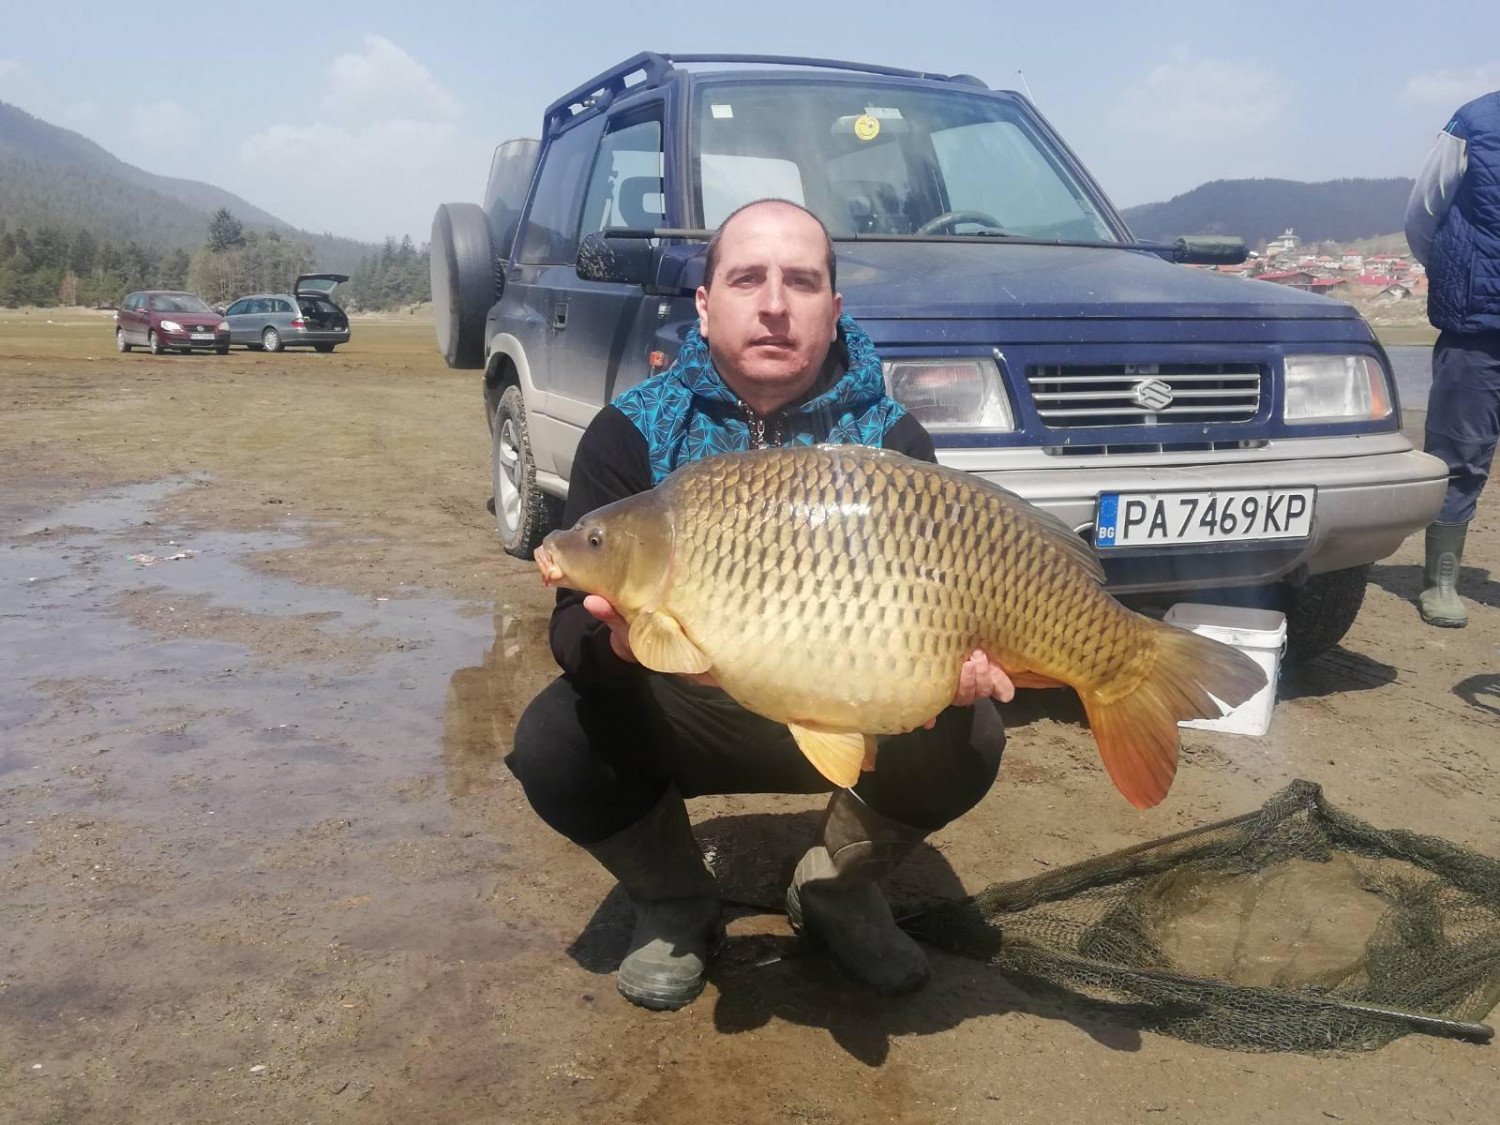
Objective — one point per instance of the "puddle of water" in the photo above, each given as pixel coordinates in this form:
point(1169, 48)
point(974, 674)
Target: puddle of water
point(180, 727)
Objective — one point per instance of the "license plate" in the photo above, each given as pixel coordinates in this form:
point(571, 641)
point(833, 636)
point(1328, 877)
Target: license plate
point(203, 335)
point(1148, 519)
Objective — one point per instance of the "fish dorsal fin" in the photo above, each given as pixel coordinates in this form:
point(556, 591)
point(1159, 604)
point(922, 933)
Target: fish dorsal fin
point(657, 639)
point(837, 755)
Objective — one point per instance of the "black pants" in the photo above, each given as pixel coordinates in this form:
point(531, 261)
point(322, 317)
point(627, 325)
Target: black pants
point(594, 761)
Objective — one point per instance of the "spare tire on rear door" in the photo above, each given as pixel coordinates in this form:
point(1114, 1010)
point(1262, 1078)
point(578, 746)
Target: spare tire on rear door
point(462, 261)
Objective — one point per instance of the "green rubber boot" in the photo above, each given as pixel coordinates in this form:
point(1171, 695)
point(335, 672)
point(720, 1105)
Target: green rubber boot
point(678, 910)
point(834, 901)
point(1439, 602)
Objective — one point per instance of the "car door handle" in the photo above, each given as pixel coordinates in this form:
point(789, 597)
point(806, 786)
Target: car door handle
point(560, 315)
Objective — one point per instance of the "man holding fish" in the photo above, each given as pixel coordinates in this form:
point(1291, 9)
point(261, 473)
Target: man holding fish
point(608, 751)
point(770, 581)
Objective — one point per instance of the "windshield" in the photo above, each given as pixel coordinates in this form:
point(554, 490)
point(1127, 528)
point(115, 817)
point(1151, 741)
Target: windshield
point(873, 159)
point(178, 302)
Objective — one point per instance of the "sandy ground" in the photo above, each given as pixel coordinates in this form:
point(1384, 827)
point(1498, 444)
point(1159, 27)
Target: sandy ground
point(260, 861)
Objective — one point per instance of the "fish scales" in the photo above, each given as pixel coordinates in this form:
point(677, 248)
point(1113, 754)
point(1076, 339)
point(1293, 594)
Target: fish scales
point(840, 588)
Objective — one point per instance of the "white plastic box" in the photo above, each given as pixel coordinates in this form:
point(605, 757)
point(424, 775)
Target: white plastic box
point(1260, 634)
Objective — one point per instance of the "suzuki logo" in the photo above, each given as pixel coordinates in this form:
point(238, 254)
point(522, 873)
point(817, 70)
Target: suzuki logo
point(1153, 394)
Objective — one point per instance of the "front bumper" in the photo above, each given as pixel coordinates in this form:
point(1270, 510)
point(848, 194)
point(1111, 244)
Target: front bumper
point(1372, 492)
point(187, 339)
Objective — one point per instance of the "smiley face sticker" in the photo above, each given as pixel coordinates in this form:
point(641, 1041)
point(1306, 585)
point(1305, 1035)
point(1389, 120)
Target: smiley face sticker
point(866, 127)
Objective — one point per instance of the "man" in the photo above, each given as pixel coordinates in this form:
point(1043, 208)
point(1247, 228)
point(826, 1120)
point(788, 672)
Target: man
point(1453, 226)
point(607, 752)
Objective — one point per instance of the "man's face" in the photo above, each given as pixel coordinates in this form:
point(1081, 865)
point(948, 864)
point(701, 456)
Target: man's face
point(770, 314)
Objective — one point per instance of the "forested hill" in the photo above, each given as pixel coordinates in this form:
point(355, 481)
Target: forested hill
point(1258, 210)
point(53, 177)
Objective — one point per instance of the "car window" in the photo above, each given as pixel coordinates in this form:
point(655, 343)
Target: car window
point(283, 306)
point(259, 305)
point(552, 222)
point(870, 157)
point(1033, 200)
point(625, 189)
point(236, 308)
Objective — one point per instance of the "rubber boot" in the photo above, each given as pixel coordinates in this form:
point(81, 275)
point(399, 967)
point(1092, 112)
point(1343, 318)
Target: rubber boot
point(677, 907)
point(1439, 602)
point(833, 898)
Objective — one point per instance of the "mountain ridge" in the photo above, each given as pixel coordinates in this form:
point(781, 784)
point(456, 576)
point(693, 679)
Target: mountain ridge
point(51, 176)
point(1258, 210)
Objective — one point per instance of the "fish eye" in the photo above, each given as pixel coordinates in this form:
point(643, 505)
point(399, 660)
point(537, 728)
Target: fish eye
point(596, 538)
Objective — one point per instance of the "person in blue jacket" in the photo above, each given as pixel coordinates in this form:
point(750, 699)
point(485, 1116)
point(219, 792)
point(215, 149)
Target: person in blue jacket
point(607, 752)
point(1453, 227)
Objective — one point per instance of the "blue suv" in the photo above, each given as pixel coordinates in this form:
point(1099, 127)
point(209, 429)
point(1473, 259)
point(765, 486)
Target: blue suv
point(1211, 436)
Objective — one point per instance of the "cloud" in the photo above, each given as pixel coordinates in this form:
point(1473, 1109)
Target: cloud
point(1448, 89)
point(163, 124)
point(367, 181)
point(1209, 100)
point(384, 82)
point(382, 153)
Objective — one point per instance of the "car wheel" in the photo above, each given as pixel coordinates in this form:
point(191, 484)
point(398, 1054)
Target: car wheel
point(120, 343)
point(222, 349)
point(324, 348)
point(270, 340)
point(1321, 611)
point(154, 344)
point(523, 512)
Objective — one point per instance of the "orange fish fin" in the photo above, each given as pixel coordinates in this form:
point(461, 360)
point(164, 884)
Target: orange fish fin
point(837, 755)
point(1034, 680)
point(1188, 678)
point(659, 643)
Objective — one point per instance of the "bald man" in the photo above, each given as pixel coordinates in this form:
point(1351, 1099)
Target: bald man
point(608, 751)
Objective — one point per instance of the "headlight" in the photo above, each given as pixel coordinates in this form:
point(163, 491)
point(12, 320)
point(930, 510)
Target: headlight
point(1335, 388)
point(222, 326)
point(951, 393)
point(170, 326)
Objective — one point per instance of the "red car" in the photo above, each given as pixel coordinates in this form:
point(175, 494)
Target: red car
point(166, 321)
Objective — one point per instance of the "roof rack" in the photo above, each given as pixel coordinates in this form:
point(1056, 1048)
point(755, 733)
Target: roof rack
point(654, 68)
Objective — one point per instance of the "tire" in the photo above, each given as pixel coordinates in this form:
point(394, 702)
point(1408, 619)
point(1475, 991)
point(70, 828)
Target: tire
point(270, 340)
point(222, 349)
point(462, 264)
point(154, 344)
point(523, 512)
point(120, 344)
point(324, 348)
point(1321, 611)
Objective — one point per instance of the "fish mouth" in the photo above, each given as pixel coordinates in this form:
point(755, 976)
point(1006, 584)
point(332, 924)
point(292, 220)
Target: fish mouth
point(552, 574)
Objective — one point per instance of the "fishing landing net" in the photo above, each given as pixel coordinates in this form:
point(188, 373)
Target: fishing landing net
point(1293, 928)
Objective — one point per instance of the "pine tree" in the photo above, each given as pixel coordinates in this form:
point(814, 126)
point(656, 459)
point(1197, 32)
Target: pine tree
point(225, 231)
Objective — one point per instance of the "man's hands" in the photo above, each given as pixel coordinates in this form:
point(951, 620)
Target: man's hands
point(979, 679)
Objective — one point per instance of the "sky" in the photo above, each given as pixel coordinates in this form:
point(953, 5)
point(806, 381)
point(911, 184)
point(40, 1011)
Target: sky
point(358, 119)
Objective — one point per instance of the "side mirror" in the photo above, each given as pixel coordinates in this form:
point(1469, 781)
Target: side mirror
point(630, 260)
point(1209, 250)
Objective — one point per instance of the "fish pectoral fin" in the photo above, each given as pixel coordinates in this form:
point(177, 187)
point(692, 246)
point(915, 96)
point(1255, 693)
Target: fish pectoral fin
point(1034, 680)
point(659, 643)
point(837, 755)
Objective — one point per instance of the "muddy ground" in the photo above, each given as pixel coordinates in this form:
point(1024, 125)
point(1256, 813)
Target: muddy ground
point(260, 861)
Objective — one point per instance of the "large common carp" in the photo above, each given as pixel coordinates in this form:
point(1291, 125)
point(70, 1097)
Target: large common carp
point(839, 589)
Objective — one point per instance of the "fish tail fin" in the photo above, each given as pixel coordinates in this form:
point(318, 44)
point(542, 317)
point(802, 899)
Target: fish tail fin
point(1137, 731)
